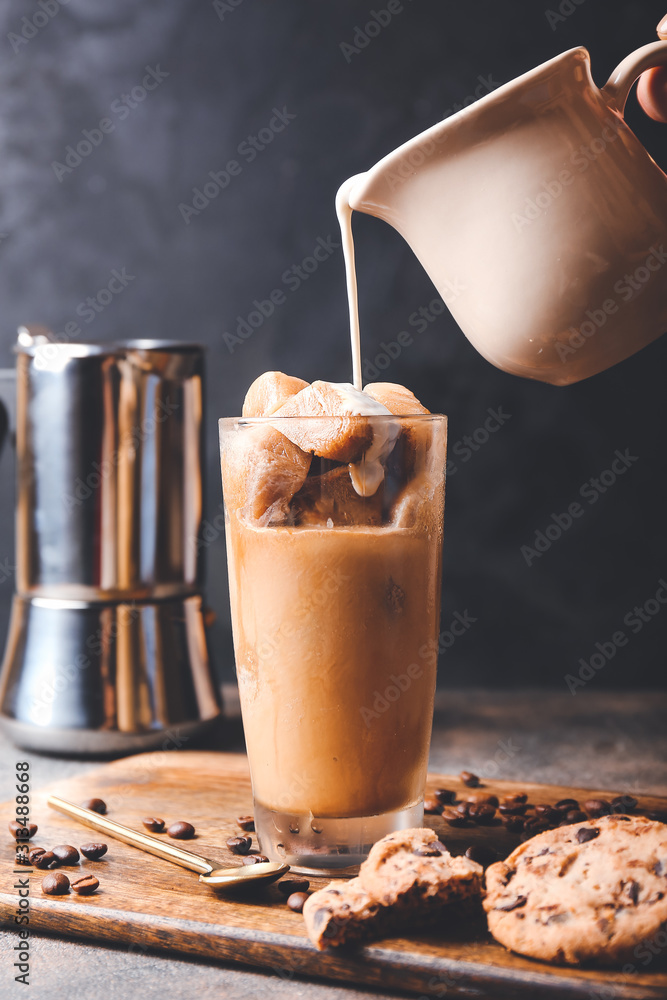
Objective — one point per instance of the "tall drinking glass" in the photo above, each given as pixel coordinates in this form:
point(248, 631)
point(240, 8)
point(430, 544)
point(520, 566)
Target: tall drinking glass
point(335, 601)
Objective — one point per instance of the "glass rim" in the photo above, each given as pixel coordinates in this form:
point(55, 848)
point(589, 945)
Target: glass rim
point(224, 422)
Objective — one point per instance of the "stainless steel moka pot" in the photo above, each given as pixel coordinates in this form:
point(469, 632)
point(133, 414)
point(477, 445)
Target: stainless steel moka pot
point(106, 651)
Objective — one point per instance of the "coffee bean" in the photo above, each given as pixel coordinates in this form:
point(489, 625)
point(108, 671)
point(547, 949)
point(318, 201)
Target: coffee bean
point(575, 816)
point(444, 796)
point(515, 824)
point(246, 823)
point(55, 884)
point(296, 901)
point(96, 805)
point(515, 799)
point(46, 859)
point(658, 815)
point(432, 807)
point(86, 886)
point(586, 833)
point(597, 807)
point(469, 779)
point(255, 859)
point(239, 845)
point(513, 809)
point(454, 817)
point(565, 805)
point(34, 853)
point(480, 798)
point(482, 814)
point(463, 808)
point(21, 832)
point(623, 804)
point(294, 828)
point(483, 855)
point(66, 854)
point(93, 851)
point(289, 885)
point(153, 823)
point(548, 815)
point(181, 830)
point(315, 826)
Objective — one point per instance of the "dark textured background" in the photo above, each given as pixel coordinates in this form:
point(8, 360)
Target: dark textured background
point(227, 70)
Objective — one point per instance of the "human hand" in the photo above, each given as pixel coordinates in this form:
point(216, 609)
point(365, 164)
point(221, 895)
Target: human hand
point(652, 86)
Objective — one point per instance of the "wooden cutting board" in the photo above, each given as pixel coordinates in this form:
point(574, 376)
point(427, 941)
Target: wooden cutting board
point(145, 901)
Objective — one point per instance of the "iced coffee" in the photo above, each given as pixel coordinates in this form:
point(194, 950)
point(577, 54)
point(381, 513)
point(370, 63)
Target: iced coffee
point(334, 503)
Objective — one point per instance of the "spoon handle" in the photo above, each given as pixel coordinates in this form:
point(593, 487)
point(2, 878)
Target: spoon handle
point(160, 848)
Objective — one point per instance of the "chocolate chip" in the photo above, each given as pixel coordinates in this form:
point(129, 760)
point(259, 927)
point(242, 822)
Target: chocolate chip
point(96, 805)
point(246, 823)
point(296, 901)
point(565, 805)
point(55, 884)
point(239, 845)
point(428, 851)
point(586, 833)
point(93, 851)
point(623, 804)
point(453, 817)
point(181, 830)
point(483, 855)
point(634, 889)
point(445, 796)
point(482, 814)
point(658, 868)
point(86, 886)
point(153, 823)
point(320, 917)
point(289, 885)
point(432, 807)
point(255, 859)
point(66, 854)
point(469, 779)
point(513, 904)
point(597, 807)
point(19, 831)
point(46, 859)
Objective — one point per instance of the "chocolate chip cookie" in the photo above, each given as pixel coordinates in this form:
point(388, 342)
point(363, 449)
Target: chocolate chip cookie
point(588, 892)
point(407, 878)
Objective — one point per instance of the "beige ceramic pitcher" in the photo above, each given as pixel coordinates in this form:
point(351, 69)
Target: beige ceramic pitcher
point(540, 218)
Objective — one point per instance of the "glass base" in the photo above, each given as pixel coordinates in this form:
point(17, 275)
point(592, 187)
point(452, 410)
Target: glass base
point(330, 846)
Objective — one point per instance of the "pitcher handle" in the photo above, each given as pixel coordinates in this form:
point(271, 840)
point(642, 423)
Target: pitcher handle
point(618, 86)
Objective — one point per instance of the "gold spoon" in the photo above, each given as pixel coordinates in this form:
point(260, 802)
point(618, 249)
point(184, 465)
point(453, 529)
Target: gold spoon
point(210, 873)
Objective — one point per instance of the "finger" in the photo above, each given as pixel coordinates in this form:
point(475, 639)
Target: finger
point(652, 93)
